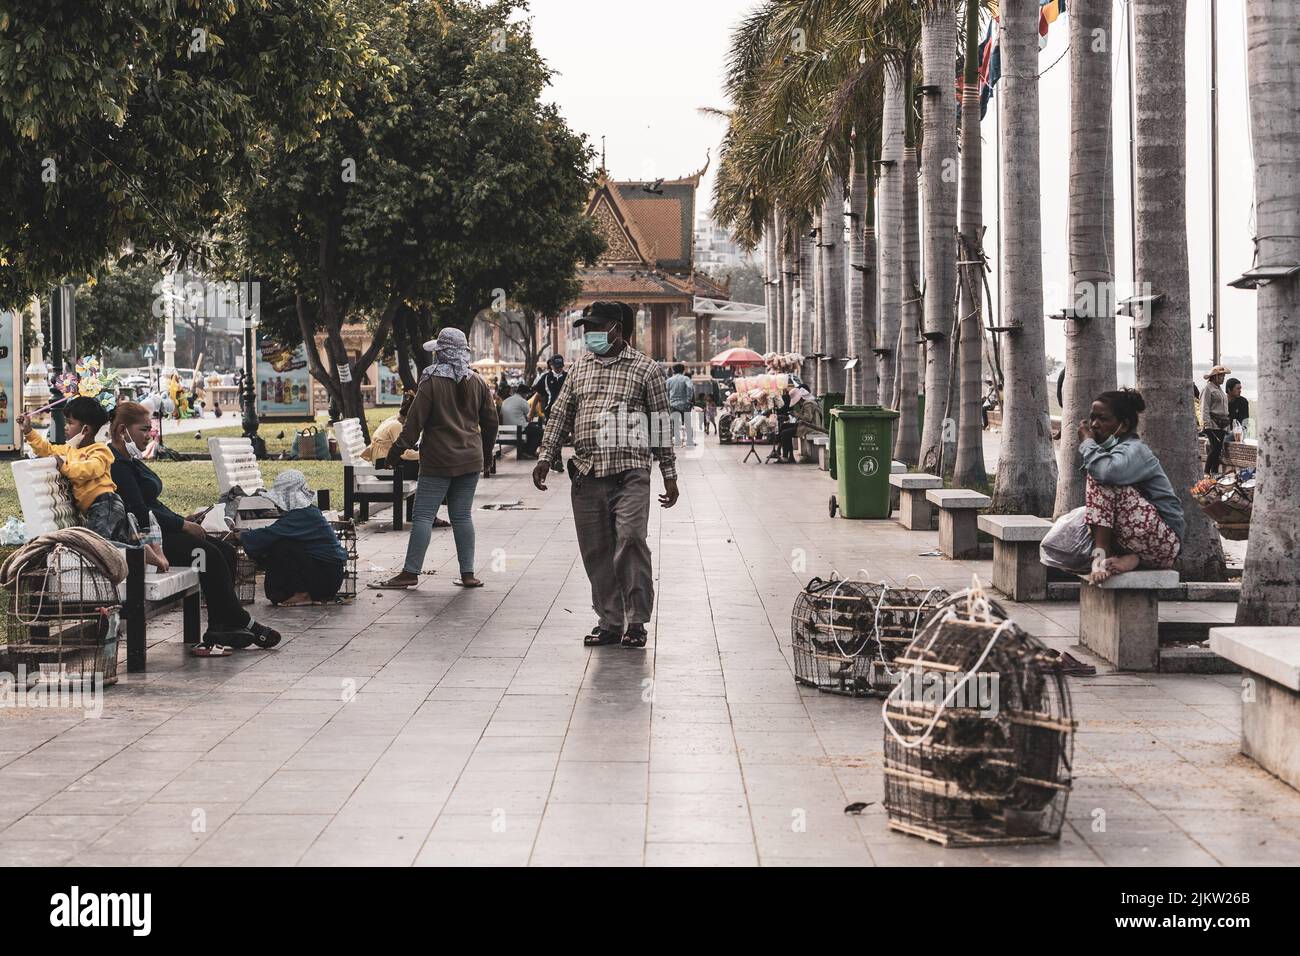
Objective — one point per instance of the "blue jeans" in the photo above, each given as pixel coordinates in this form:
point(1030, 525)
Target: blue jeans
point(459, 492)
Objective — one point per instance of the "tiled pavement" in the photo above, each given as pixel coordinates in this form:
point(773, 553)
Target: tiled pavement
point(471, 727)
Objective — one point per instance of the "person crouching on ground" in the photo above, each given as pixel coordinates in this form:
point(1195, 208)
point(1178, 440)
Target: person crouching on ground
point(454, 418)
point(88, 465)
point(611, 479)
point(301, 554)
point(1135, 518)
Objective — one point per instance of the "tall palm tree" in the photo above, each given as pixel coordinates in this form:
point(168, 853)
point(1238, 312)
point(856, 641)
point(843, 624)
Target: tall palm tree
point(830, 238)
point(1270, 588)
point(862, 274)
point(939, 185)
point(1026, 475)
point(907, 444)
point(890, 191)
point(1090, 334)
point(1163, 340)
point(968, 471)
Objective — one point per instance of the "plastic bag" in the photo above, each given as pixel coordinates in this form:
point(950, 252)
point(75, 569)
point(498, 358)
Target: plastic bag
point(1068, 546)
point(13, 532)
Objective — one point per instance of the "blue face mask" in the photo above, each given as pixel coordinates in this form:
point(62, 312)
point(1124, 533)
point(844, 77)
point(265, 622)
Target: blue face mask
point(598, 342)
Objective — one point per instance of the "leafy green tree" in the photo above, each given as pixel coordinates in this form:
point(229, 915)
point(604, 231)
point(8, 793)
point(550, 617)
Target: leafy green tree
point(115, 309)
point(442, 187)
point(129, 120)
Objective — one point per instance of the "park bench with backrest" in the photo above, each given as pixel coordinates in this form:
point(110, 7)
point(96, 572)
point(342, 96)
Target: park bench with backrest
point(914, 511)
point(47, 505)
point(1270, 694)
point(1018, 570)
point(236, 467)
point(958, 532)
point(364, 483)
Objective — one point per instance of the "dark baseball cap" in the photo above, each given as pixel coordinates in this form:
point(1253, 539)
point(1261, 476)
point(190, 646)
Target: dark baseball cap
point(602, 312)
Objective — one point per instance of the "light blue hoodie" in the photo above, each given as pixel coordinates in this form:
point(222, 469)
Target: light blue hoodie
point(1126, 460)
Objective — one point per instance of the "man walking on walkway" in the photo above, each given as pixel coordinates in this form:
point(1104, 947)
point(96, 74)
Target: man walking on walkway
point(615, 405)
point(681, 404)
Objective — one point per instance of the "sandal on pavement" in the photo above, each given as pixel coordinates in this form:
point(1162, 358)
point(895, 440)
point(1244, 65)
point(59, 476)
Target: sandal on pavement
point(263, 636)
point(398, 582)
point(635, 636)
point(211, 650)
point(599, 637)
point(441, 523)
point(468, 581)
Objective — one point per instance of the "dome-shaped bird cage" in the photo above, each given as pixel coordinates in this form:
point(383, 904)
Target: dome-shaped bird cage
point(845, 635)
point(979, 737)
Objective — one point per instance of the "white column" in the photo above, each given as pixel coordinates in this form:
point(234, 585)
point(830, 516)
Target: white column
point(36, 392)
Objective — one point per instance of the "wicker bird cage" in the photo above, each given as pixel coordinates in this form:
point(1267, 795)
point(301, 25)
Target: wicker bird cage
point(245, 577)
point(62, 620)
point(979, 738)
point(347, 535)
point(845, 635)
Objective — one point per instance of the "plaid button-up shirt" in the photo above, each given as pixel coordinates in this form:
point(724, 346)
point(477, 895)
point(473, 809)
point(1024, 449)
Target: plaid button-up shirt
point(616, 409)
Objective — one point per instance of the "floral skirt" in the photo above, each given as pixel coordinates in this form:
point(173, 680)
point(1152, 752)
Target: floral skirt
point(1136, 525)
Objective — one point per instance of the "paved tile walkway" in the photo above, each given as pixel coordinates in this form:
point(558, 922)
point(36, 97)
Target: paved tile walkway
point(471, 727)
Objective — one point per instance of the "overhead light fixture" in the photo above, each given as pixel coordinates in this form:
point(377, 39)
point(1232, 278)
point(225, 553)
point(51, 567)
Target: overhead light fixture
point(1130, 305)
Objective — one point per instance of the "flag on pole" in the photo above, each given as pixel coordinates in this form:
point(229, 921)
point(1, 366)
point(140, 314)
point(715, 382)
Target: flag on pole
point(990, 54)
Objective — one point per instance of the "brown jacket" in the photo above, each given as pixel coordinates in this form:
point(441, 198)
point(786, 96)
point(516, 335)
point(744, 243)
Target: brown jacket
point(455, 424)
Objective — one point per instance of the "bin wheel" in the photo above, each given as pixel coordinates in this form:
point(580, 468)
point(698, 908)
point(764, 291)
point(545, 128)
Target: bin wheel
point(834, 506)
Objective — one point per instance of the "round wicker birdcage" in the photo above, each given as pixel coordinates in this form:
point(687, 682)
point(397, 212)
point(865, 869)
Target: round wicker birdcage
point(979, 733)
point(845, 634)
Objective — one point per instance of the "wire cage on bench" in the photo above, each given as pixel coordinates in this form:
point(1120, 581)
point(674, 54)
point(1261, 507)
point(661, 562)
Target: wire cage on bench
point(845, 635)
point(62, 618)
point(979, 737)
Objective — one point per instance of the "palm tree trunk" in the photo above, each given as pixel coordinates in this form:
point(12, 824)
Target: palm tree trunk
point(770, 300)
point(1026, 475)
point(832, 273)
point(891, 225)
point(907, 444)
point(862, 278)
point(1270, 588)
point(1089, 340)
point(807, 307)
point(1163, 345)
point(968, 472)
point(785, 343)
point(939, 183)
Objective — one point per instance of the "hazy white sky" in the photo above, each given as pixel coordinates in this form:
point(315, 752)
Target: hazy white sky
point(637, 73)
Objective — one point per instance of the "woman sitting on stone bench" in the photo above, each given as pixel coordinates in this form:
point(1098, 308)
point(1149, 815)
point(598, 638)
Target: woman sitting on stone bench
point(1135, 518)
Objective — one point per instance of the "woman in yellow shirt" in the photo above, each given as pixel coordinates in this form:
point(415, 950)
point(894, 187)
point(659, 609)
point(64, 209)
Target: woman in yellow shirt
point(88, 465)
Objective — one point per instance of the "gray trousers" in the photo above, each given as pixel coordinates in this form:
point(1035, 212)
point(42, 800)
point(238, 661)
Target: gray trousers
point(612, 517)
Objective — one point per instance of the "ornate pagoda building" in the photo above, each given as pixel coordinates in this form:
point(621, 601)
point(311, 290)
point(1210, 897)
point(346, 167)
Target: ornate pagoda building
point(649, 231)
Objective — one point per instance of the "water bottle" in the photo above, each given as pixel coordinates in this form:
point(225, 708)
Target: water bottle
point(154, 537)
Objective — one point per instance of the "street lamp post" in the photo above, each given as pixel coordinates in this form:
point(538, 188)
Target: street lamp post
point(250, 302)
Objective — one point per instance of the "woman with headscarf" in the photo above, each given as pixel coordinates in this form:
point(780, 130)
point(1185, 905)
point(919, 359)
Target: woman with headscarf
point(300, 552)
point(454, 419)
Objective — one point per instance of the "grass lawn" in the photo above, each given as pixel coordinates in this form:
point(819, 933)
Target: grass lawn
point(183, 440)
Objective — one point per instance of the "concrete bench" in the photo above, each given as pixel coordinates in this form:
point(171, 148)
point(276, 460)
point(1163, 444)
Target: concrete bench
point(364, 483)
point(1270, 708)
point(914, 512)
point(822, 447)
point(958, 534)
point(1119, 618)
point(48, 506)
point(1017, 571)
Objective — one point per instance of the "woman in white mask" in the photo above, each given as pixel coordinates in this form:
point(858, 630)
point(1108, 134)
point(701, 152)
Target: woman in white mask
point(229, 625)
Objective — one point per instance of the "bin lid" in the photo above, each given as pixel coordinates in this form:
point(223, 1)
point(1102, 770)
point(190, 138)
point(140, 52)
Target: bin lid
point(863, 411)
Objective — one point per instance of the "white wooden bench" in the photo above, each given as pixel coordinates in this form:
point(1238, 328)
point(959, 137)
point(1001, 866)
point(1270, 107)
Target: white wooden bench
point(47, 506)
point(508, 436)
point(915, 513)
point(236, 466)
point(958, 533)
point(1119, 618)
point(364, 483)
point(1270, 700)
point(1017, 571)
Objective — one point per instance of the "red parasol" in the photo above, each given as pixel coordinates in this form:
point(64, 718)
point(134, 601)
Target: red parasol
point(738, 357)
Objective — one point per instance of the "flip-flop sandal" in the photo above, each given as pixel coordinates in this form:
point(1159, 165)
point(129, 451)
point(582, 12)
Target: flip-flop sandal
point(476, 583)
point(635, 639)
point(388, 586)
point(599, 637)
point(211, 650)
point(439, 523)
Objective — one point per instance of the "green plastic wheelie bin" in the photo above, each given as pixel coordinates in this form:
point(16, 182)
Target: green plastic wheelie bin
point(863, 454)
